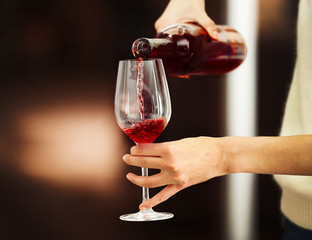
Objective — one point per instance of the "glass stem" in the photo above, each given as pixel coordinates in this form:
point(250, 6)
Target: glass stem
point(145, 191)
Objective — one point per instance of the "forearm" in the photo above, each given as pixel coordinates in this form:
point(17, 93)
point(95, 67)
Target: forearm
point(269, 155)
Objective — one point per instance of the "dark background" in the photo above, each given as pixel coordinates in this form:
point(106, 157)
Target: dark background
point(61, 175)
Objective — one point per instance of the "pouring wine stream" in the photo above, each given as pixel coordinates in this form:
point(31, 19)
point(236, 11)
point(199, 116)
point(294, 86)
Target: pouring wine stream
point(140, 85)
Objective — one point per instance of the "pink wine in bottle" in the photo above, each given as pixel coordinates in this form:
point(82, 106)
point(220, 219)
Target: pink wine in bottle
point(187, 49)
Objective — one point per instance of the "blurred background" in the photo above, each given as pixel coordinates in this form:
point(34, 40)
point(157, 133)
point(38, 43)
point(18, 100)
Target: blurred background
point(61, 173)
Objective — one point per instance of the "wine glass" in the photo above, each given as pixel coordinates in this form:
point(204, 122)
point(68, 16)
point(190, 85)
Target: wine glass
point(142, 109)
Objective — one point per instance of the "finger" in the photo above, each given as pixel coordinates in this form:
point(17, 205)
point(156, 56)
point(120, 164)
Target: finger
point(210, 27)
point(160, 197)
point(144, 161)
point(148, 149)
point(159, 24)
point(153, 181)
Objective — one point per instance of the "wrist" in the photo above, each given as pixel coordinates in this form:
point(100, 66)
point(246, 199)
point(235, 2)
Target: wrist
point(253, 154)
point(234, 158)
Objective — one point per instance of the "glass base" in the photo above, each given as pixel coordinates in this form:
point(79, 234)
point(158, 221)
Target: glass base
point(146, 215)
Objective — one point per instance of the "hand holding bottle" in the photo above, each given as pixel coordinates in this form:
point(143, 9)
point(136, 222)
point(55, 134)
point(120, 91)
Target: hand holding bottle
point(183, 11)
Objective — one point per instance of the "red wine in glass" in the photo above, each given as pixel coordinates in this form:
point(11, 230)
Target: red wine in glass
point(187, 49)
point(146, 131)
point(142, 109)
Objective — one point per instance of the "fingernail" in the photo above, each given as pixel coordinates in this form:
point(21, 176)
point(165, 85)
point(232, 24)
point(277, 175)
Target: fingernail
point(143, 208)
point(124, 157)
point(214, 34)
point(128, 176)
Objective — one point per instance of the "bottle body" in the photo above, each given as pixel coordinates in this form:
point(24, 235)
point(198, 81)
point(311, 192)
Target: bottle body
point(187, 49)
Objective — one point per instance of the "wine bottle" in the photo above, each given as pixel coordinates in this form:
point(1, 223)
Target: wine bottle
point(187, 49)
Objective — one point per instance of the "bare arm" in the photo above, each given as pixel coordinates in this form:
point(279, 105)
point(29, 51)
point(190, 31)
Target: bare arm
point(181, 11)
point(191, 161)
point(273, 155)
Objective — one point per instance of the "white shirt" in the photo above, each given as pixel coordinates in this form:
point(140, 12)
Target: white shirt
point(296, 201)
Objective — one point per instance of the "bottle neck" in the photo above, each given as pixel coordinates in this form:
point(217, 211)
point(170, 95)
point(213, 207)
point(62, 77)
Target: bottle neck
point(152, 47)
